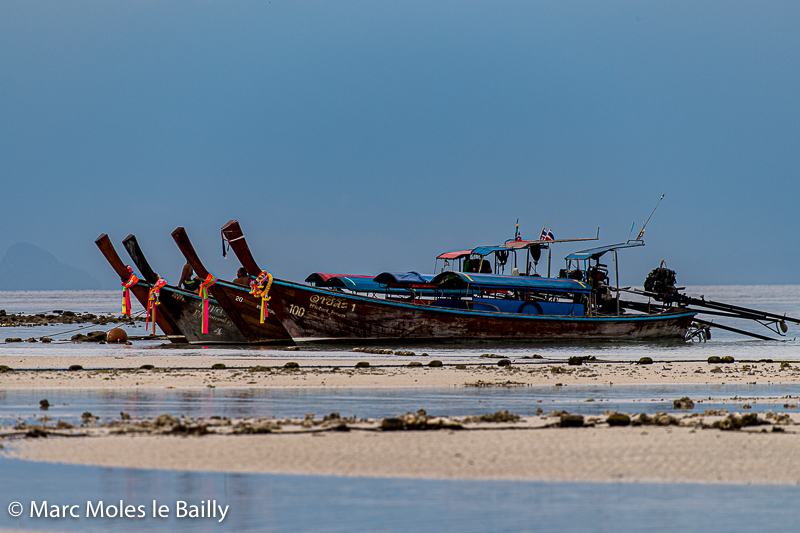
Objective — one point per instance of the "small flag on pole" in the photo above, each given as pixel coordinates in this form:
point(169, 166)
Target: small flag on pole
point(550, 235)
point(516, 232)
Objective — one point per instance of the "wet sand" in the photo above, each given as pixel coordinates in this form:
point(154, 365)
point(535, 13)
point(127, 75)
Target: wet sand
point(628, 454)
point(601, 453)
point(195, 371)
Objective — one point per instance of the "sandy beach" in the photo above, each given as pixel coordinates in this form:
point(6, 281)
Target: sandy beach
point(601, 453)
point(629, 454)
point(195, 371)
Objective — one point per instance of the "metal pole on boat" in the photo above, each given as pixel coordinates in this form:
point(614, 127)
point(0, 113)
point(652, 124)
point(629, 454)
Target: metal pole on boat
point(616, 270)
point(549, 255)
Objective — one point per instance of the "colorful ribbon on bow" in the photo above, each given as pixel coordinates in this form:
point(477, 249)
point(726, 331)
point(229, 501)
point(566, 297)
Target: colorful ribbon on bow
point(154, 300)
point(209, 281)
point(126, 292)
point(258, 290)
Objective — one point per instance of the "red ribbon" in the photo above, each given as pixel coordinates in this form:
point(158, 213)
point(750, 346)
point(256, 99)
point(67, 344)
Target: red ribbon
point(154, 300)
point(126, 293)
point(209, 281)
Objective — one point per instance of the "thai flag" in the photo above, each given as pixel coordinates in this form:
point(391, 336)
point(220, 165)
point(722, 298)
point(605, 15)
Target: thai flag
point(543, 236)
point(547, 236)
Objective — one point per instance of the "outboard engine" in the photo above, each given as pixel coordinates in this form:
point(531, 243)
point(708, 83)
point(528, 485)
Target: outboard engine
point(661, 280)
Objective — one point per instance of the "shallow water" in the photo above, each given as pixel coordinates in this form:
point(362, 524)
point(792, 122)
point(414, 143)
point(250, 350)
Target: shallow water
point(286, 503)
point(69, 404)
point(773, 298)
point(316, 503)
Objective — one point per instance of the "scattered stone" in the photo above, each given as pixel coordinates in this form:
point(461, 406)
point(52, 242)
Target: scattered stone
point(44, 405)
point(218, 366)
point(684, 403)
point(124, 416)
point(4, 369)
point(13, 339)
point(147, 367)
point(259, 368)
point(74, 368)
point(539, 411)
point(778, 418)
point(715, 412)
point(790, 406)
point(728, 359)
point(575, 361)
point(645, 361)
point(498, 416)
point(379, 351)
point(292, 349)
point(504, 362)
point(87, 417)
point(414, 364)
point(392, 424)
point(46, 339)
point(716, 370)
point(165, 420)
point(714, 360)
point(618, 419)
point(571, 421)
point(291, 365)
point(664, 419)
point(747, 406)
point(491, 356)
point(435, 363)
point(32, 339)
point(734, 422)
point(461, 367)
point(362, 364)
point(404, 352)
point(785, 365)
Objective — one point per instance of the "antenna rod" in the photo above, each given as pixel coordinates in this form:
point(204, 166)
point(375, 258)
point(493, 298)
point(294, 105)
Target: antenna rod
point(641, 233)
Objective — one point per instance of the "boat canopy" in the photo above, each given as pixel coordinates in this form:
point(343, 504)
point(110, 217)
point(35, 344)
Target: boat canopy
point(402, 278)
point(596, 253)
point(324, 279)
point(463, 280)
point(455, 254)
point(486, 250)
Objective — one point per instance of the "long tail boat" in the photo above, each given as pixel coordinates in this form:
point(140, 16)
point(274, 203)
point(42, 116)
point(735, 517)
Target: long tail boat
point(489, 308)
point(185, 306)
point(140, 290)
point(242, 307)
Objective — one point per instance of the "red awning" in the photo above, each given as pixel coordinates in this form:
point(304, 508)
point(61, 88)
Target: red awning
point(454, 255)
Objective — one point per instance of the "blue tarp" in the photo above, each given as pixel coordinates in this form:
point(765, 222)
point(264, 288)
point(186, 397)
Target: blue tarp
point(459, 280)
point(596, 253)
point(486, 250)
point(397, 278)
point(357, 284)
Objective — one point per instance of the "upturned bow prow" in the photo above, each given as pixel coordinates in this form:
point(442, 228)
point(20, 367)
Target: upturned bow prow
point(232, 233)
point(187, 249)
point(165, 320)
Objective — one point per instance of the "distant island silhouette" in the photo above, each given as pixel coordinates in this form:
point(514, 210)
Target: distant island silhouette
point(26, 267)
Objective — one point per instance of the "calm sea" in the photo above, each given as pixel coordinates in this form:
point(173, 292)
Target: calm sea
point(317, 503)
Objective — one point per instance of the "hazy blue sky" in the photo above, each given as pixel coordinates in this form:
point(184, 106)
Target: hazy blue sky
point(365, 136)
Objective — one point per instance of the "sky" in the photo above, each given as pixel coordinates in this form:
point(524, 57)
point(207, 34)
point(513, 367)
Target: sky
point(363, 136)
